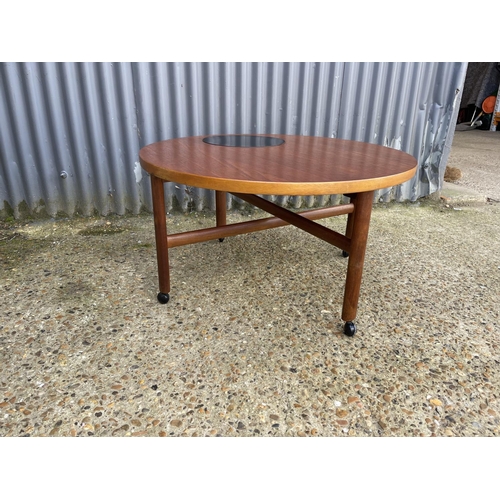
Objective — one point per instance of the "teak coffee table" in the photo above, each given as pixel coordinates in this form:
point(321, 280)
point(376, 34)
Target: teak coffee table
point(247, 165)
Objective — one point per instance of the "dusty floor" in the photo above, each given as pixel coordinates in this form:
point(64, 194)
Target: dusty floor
point(250, 343)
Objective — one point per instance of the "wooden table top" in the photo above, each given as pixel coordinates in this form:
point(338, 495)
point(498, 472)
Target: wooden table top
point(302, 165)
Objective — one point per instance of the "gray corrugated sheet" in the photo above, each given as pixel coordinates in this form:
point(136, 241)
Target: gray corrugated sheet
point(70, 132)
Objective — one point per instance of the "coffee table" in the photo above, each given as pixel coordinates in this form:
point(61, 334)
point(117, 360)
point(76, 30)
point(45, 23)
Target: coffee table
point(251, 165)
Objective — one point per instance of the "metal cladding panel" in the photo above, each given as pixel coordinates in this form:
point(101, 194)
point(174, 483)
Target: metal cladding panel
point(70, 133)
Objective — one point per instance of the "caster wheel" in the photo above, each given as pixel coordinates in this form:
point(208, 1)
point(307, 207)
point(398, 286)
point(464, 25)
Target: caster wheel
point(221, 239)
point(349, 328)
point(163, 298)
point(344, 254)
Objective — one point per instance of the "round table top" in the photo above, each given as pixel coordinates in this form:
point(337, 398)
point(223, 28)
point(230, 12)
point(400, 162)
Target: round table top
point(302, 165)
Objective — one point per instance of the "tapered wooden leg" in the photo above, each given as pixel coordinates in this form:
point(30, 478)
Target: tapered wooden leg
point(350, 222)
point(359, 235)
point(220, 209)
point(161, 238)
point(350, 219)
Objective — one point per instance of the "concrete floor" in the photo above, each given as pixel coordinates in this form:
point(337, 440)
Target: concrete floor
point(250, 343)
point(477, 154)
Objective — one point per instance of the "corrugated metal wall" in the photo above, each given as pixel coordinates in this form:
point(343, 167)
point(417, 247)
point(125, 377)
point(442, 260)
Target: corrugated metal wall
point(70, 132)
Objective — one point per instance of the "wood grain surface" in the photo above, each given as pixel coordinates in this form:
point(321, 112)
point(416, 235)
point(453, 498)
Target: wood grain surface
point(303, 165)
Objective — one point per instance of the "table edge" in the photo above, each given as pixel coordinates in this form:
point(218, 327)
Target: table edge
point(279, 188)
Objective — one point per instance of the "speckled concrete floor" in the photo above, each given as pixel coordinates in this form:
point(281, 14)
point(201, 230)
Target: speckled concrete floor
point(477, 154)
point(250, 343)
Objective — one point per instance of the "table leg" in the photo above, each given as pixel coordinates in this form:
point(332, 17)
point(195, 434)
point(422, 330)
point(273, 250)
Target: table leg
point(349, 225)
point(359, 235)
point(220, 209)
point(161, 238)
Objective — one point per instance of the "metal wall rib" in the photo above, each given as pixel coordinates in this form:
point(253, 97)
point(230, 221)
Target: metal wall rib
point(70, 132)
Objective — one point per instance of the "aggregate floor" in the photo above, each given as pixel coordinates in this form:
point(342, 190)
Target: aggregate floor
point(477, 154)
point(250, 343)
